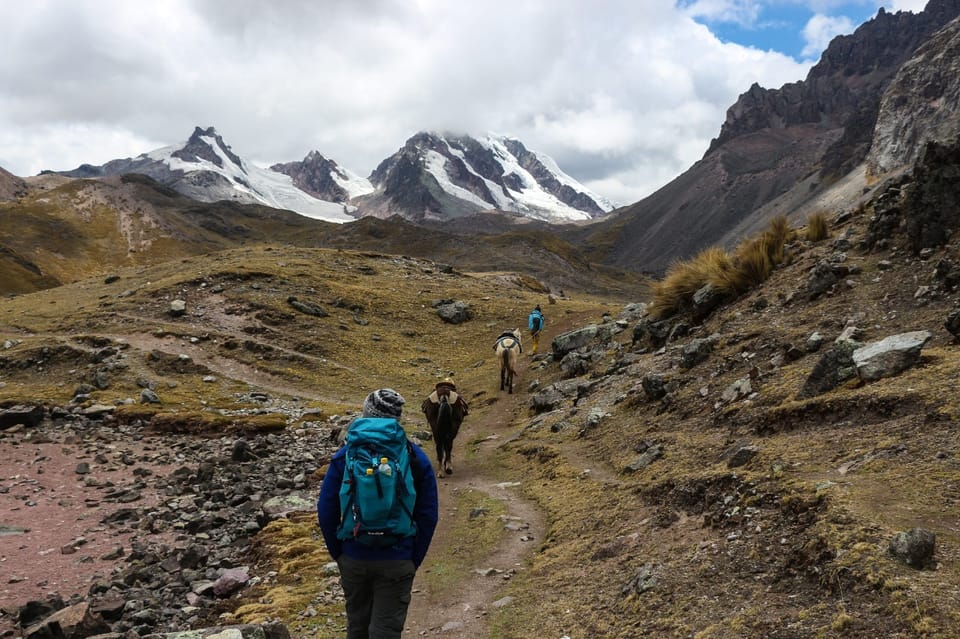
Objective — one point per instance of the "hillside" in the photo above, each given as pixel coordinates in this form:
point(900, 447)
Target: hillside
point(689, 486)
point(783, 151)
point(61, 230)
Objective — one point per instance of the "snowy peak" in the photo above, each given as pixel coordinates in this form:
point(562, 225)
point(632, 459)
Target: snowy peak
point(442, 175)
point(207, 145)
point(324, 179)
point(206, 169)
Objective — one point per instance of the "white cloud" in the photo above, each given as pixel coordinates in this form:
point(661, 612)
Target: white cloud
point(915, 6)
point(742, 12)
point(820, 30)
point(624, 95)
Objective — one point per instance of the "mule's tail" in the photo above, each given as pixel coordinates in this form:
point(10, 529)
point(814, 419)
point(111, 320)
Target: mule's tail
point(444, 415)
point(506, 362)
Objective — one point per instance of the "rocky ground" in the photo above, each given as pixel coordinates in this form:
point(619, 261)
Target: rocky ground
point(150, 531)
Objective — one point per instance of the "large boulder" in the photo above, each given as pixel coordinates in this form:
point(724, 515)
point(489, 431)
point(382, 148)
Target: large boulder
point(890, 356)
point(571, 341)
point(455, 312)
point(25, 415)
point(914, 547)
point(834, 368)
point(72, 622)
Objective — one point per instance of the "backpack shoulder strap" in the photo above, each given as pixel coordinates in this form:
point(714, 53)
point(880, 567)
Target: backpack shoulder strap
point(415, 466)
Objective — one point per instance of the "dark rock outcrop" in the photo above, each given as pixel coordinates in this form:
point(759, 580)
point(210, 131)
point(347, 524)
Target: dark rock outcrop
point(314, 174)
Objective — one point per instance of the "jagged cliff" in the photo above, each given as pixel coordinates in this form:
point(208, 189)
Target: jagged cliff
point(779, 151)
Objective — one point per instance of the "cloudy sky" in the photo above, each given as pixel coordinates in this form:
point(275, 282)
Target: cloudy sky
point(623, 94)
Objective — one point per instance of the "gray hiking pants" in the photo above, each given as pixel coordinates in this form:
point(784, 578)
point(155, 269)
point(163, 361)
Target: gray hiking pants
point(377, 594)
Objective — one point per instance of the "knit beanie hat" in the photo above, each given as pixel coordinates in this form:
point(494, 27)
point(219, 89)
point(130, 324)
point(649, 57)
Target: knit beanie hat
point(385, 402)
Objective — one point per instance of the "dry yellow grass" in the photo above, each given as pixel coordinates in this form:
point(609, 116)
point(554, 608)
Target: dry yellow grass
point(817, 228)
point(749, 265)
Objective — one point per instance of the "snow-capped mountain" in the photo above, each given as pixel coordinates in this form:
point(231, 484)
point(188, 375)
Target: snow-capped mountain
point(434, 176)
point(206, 169)
point(439, 176)
point(324, 179)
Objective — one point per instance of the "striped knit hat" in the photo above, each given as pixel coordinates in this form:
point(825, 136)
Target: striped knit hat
point(385, 402)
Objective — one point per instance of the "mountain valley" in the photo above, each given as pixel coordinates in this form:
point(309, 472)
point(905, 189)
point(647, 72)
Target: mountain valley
point(689, 454)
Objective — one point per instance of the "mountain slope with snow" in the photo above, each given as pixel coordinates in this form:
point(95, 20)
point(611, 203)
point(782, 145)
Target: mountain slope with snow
point(206, 169)
point(433, 177)
point(441, 176)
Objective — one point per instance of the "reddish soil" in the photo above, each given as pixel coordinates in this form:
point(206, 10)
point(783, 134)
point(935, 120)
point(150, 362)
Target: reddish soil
point(65, 542)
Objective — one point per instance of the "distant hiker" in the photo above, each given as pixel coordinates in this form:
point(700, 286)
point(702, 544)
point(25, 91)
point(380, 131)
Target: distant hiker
point(377, 510)
point(535, 323)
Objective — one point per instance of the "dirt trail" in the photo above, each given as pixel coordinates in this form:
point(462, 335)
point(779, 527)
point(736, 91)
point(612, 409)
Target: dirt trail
point(462, 612)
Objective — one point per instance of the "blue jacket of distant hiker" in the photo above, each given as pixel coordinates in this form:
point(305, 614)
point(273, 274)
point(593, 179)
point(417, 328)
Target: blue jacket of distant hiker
point(425, 514)
point(535, 321)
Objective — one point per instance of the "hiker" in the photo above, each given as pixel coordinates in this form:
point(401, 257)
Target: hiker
point(377, 561)
point(535, 323)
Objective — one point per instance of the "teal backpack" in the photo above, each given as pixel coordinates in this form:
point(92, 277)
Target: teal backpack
point(377, 495)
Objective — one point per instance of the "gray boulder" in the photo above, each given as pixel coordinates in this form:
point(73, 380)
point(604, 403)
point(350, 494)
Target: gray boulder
point(834, 367)
point(307, 308)
point(571, 341)
point(698, 350)
point(914, 547)
point(890, 356)
point(455, 312)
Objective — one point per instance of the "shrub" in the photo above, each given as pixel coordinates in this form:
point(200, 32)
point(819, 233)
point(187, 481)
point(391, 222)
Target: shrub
point(754, 260)
point(779, 230)
point(817, 226)
point(684, 278)
point(750, 264)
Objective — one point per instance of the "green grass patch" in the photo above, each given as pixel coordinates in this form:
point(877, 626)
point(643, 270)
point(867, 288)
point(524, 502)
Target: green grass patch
point(474, 532)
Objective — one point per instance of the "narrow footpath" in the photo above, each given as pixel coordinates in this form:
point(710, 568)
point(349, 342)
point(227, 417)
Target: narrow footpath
point(462, 611)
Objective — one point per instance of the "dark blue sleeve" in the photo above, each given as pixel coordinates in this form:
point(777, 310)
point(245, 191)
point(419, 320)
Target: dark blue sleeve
point(328, 505)
point(426, 512)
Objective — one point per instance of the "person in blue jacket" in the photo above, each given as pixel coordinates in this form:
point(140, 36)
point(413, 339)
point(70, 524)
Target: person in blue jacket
point(377, 582)
point(535, 322)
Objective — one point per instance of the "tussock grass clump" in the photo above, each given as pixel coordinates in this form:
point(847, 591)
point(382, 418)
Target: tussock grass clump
point(683, 279)
point(731, 275)
point(817, 227)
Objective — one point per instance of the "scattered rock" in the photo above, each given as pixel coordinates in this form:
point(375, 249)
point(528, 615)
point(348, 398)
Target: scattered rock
point(308, 308)
point(697, 351)
point(740, 454)
point(455, 312)
point(73, 622)
point(644, 580)
point(914, 547)
point(890, 356)
point(29, 416)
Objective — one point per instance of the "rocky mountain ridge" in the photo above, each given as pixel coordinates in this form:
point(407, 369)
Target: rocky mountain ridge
point(435, 176)
point(206, 169)
point(442, 176)
point(782, 152)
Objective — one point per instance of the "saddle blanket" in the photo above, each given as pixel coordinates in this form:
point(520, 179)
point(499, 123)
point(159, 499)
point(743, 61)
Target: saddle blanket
point(451, 398)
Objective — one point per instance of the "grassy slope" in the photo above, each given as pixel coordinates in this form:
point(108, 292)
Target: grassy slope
point(72, 229)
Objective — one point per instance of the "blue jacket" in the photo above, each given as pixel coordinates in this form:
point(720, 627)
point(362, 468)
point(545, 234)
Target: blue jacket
point(532, 316)
point(425, 514)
